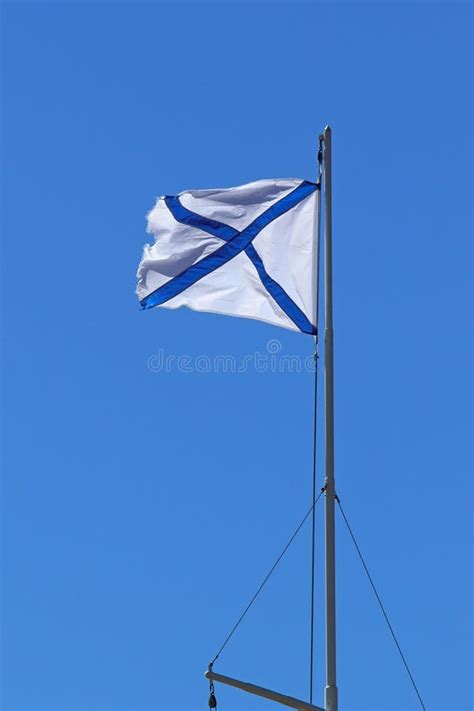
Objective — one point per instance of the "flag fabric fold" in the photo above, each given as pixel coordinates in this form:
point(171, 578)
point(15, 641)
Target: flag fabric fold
point(247, 251)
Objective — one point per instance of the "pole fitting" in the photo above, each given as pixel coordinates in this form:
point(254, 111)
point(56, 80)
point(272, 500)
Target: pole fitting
point(212, 697)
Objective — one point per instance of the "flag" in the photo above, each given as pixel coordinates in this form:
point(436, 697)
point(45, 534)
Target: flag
point(247, 251)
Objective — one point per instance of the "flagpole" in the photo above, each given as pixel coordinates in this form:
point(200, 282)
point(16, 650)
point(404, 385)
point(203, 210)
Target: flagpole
point(331, 686)
point(317, 238)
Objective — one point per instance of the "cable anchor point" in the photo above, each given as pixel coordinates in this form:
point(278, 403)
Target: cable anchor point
point(212, 697)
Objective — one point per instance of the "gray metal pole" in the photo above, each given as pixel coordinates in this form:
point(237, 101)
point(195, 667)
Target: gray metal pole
point(331, 686)
point(317, 239)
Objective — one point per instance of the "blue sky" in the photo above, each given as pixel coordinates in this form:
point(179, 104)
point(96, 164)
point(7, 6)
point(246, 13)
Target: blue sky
point(141, 508)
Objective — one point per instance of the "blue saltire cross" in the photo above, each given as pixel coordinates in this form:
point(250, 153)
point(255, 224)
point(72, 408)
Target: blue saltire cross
point(235, 243)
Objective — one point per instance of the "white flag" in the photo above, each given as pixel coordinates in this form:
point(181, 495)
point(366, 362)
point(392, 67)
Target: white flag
point(247, 251)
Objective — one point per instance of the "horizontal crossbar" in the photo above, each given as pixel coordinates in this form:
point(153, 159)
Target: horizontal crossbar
point(260, 691)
